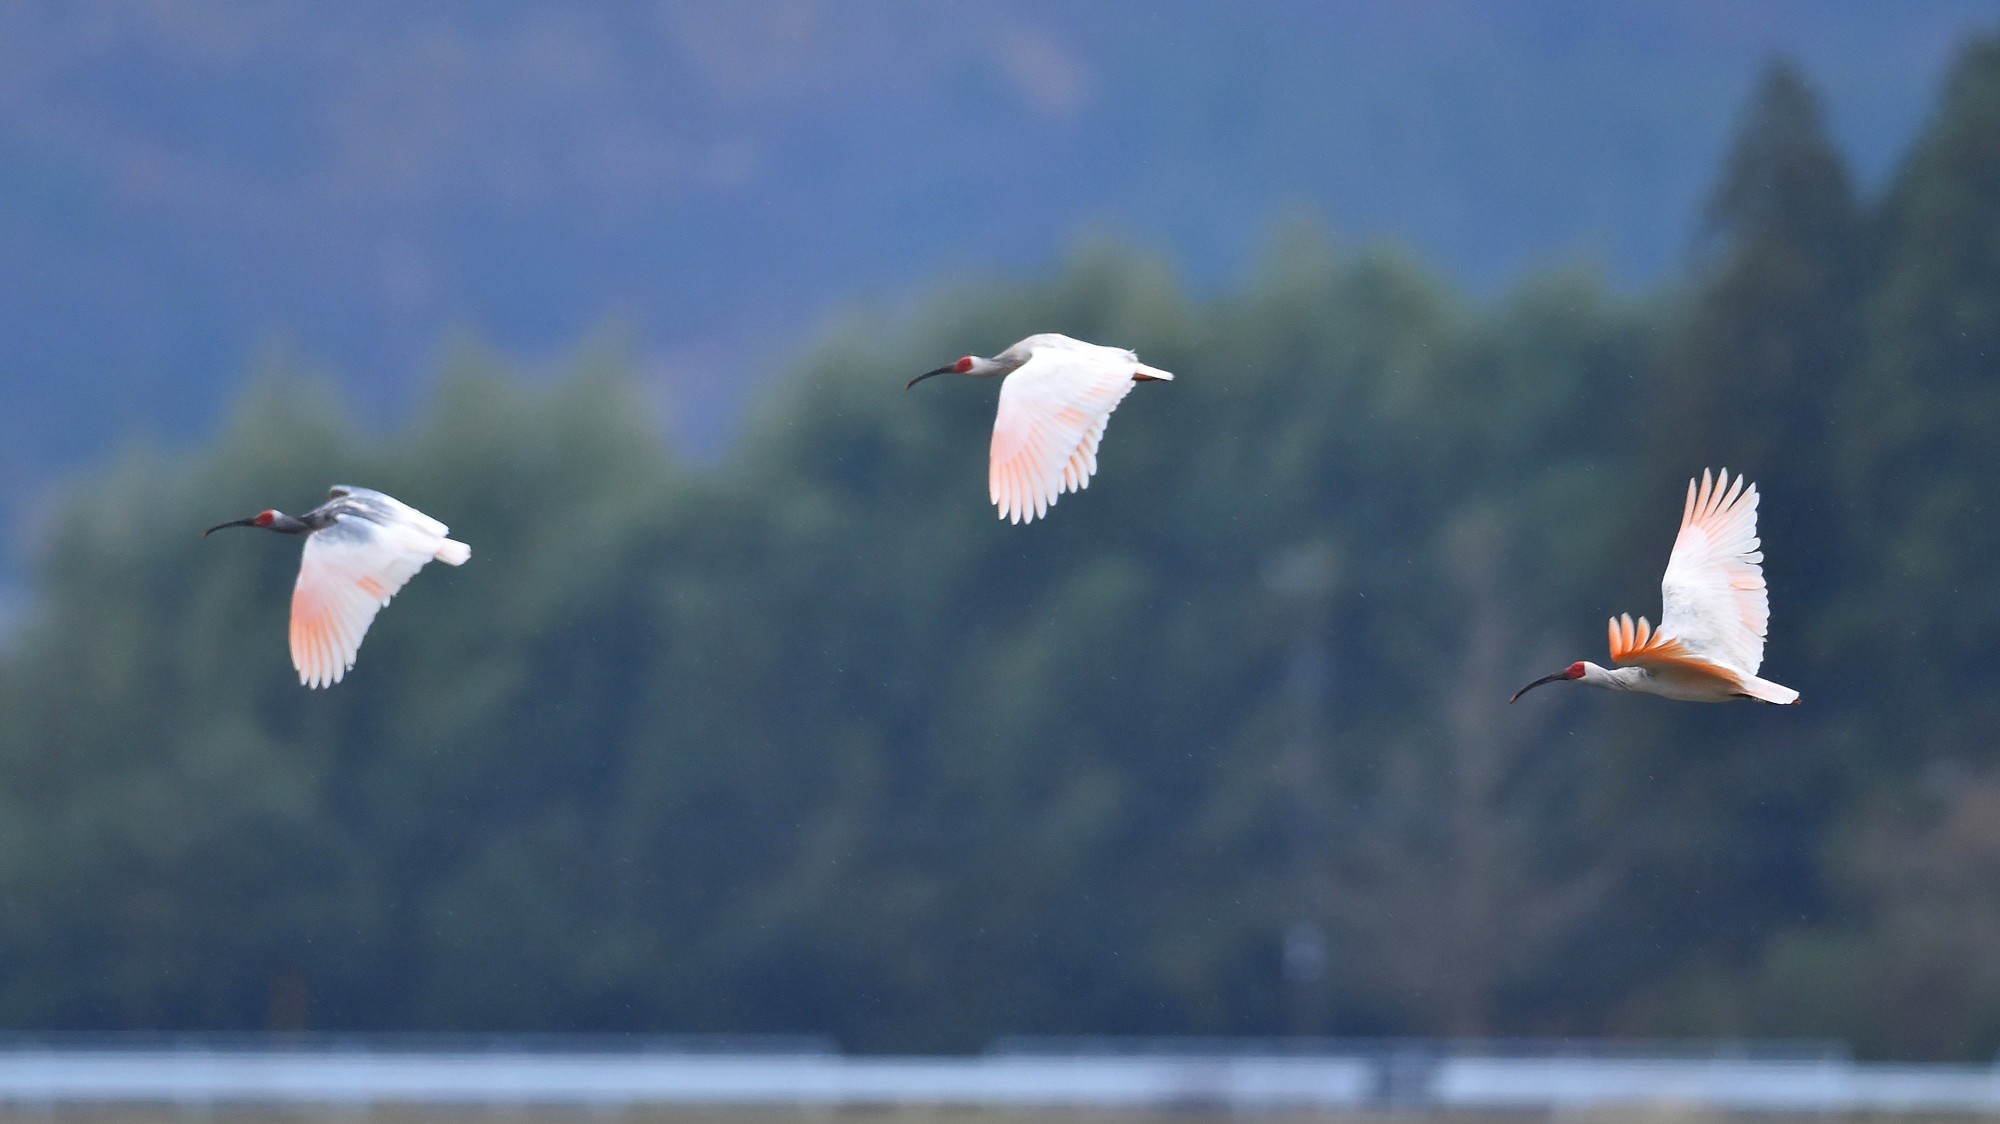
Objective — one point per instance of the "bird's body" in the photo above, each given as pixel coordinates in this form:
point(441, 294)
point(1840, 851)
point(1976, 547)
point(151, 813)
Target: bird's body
point(361, 547)
point(1053, 410)
point(1714, 611)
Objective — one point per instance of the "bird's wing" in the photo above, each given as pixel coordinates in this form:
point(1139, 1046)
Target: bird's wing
point(381, 508)
point(350, 570)
point(1052, 415)
point(1641, 646)
point(1713, 600)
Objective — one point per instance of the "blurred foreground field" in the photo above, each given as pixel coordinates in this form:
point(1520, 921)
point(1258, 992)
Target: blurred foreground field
point(181, 1115)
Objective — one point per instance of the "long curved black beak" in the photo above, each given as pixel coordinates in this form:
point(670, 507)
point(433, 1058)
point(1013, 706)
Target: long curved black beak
point(250, 522)
point(1560, 675)
point(951, 369)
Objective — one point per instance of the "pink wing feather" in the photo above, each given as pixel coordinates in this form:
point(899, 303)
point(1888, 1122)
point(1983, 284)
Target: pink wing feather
point(1053, 411)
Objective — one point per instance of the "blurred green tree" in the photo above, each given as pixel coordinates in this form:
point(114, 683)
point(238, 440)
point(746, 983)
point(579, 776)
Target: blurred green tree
point(1751, 378)
point(1918, 432)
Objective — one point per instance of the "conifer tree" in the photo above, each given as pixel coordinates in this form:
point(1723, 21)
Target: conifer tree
point(1748, 380)
point(1919, 453)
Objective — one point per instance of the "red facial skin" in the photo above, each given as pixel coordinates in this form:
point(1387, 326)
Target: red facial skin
point(1575, 671)
point(264, 518)
point(963, 365)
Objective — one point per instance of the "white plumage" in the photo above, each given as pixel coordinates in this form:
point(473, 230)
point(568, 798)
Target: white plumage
point(361, 547)
point(1714, 610)
point(1054, 405)
point(1712, 597)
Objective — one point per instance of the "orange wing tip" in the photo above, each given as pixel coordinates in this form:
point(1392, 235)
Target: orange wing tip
point(1714, 495)
point(317, 652)
point(1632, 642)
point(310, 647)
point(1627, 637)
point(1699, 497)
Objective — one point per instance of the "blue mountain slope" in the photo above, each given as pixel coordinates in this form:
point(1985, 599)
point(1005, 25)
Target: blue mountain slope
point(179, 184)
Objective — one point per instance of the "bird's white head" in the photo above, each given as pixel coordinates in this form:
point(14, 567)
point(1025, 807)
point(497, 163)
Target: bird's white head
point(1581, 669)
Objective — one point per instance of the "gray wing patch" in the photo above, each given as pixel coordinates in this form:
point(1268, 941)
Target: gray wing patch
point(365, 504)
point(350, 527)
point(368, 507)
point(355, 492)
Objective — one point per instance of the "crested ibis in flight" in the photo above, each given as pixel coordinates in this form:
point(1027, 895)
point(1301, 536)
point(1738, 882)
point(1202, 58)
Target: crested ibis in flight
point(1052, 415)
point(1713, 611)
point(361, 547)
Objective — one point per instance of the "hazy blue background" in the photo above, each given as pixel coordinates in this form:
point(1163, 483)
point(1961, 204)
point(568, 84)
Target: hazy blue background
point(182, 183)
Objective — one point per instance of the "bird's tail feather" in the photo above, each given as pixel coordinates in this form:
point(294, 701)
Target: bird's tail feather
point(452, 552)
point(1151, 374)
point(1763, 690)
